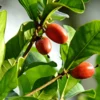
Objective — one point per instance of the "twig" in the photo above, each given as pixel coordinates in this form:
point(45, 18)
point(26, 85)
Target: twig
point(45, 85)
point(34, 37)
point(29, 47)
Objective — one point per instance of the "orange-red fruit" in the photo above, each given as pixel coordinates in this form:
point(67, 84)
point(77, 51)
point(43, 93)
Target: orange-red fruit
point(56, 33)
point(83, 71)
point(43, 45)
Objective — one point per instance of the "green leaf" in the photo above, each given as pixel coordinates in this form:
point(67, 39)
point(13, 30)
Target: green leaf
point(24, 85)
point(38, 56)
point(85, 1)
point(36, 64)
point(26, 81)
point(91, 93)
point(22, 98)
point(31, 6)
point(78, 88)
point(8, 82)
point(65, 85)
point(98, 59)
point(40, 71)
point(47, 93)
point(63, 51)
point(57, 15)
point(48, 11)
point(34, 59)
point(3, 17)
point(7, 64)
point(15, 45)
point(44, 1)
point(76, 6)
point(84, 44)
point(64, 47)
point(70, 31)
point(34, 56)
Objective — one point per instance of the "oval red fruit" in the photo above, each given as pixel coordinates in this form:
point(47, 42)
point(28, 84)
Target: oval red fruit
point(56, 33)
point(43, 45)
point(83, 71)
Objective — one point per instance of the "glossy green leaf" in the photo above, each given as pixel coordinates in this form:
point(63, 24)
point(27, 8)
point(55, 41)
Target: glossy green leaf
point(51, 8)
point(76, 6)
point(64, 47)
point(38, 56)
point(84, 44)
point(24, 85)
point(33, 74)
point(78, 88)
point(15, 45)
point(31, 6)
point(34, 56)
point(63, 51)
point(48, 11)
point(22, 98)
point(40, 71)
point(97, 59)
point(44, 1)
point(86, 1)
point(91, 93)
point(3, 16)
point(7, 64)
point(34, 59)
point(70, 32)
point(8, 82)
point(47, 93)
point(36, 64)
point(57, 15)
point(65, 85)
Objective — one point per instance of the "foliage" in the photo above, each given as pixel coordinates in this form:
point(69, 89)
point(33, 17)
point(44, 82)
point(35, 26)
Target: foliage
point(22, 66)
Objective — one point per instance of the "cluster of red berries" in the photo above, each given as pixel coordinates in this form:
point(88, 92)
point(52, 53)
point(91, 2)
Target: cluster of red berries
point(57, 34)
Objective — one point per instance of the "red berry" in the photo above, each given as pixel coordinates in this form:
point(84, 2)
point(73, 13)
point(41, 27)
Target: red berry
point(83, 71)
point(56, 33)
point(43, 45)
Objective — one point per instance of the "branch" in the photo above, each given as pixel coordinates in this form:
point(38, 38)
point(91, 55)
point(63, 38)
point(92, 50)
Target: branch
point(45, 85)
point(34, 37)
point(29, 46)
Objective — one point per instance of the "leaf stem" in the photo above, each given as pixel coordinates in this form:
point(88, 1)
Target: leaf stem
point(45, 85)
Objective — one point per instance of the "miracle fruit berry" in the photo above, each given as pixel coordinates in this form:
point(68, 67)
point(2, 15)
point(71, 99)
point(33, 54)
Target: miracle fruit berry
point(56, 33)
point(43, 45)
point(83, 71)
